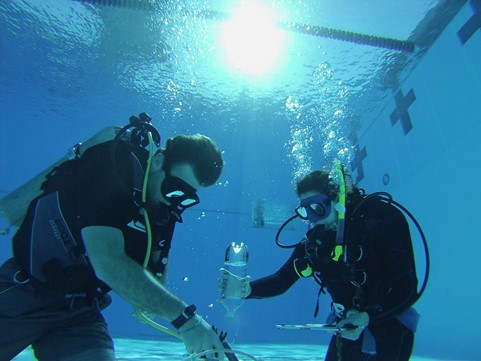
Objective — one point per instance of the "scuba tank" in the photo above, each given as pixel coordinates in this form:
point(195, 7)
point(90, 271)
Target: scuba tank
point(14, 205)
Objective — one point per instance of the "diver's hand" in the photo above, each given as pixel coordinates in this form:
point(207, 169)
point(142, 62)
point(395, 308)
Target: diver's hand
point(199, 336)
point(353, 318)
point(232, 286)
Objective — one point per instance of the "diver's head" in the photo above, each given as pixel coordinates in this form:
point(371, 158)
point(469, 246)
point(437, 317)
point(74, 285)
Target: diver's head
point(197, 150)
point(318, 196)
point(187, 163)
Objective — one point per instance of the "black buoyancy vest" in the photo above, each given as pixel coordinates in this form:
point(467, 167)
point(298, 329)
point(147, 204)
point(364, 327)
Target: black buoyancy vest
point(47, 246)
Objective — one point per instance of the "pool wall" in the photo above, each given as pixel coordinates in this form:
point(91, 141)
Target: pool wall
point(423, 146)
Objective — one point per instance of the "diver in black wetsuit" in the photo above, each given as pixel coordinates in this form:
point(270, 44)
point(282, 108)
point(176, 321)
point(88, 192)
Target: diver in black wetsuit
point(366, 263)
point(105, 220)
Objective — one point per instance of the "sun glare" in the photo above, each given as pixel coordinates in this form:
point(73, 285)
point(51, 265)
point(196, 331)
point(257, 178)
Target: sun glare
point(251, 41)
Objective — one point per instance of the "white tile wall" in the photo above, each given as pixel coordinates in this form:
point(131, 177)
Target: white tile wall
point(447, 85)
point(435, 172)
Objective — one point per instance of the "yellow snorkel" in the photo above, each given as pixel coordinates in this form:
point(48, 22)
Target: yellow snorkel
point(337, 252)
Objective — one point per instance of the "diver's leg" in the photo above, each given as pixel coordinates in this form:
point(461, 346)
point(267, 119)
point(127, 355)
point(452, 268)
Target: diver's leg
point(97, 354)
point(84, 336)
point(20, 322)
point(32, 314)
point(394, 341)
point(350, 350)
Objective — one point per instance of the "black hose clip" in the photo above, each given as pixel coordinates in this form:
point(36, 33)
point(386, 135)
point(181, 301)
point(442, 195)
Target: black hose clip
point(141, 127)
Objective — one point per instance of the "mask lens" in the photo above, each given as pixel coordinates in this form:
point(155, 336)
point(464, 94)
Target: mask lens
point(302, 212)
point(189, 202)
point(174, 194)
point(179, 193)
point(314, 208)
point(318, 208)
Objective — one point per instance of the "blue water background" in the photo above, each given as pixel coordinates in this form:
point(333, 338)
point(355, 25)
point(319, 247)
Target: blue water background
point(68, 69)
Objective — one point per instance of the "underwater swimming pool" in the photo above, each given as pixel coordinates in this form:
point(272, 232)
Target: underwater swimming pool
point(391, 89)
point(141, 350)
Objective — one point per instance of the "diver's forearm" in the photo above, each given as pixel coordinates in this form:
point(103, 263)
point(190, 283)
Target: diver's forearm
point(270, 286)
point(141, 288)
point(105, 249)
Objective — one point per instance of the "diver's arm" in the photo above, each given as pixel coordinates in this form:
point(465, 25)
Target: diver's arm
point(398, 298)
point(279, 282)
point(271, 286)
point(393, 245)
point(105, 248)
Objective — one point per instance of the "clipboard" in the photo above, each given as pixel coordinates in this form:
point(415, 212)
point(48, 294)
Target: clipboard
point(315, 327)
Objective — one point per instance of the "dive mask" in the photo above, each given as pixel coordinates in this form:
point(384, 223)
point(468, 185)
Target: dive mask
point(314, 208)
point(179, 193)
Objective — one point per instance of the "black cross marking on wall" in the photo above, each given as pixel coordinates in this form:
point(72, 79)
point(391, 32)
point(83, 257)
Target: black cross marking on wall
point(401, 111)
point(473, 24)
point(359, 156)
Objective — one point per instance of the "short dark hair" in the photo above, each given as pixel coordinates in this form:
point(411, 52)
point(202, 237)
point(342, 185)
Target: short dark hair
point(199, 151)
point(318, 181)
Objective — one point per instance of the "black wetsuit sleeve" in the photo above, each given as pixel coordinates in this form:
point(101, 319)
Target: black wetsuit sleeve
point(280, 281)
point(398, 280)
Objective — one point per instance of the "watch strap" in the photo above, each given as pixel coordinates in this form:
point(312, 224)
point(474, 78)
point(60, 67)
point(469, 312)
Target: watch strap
point(185, 316)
